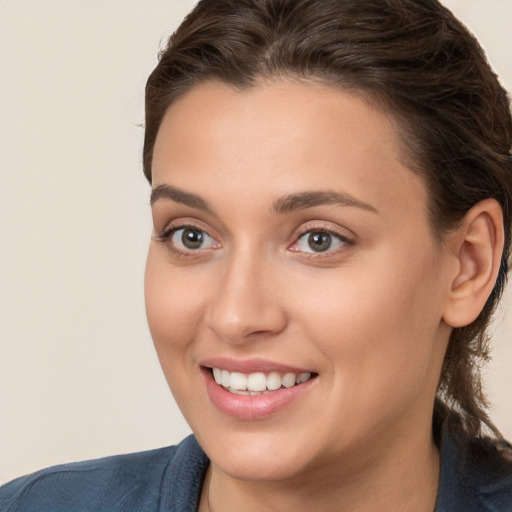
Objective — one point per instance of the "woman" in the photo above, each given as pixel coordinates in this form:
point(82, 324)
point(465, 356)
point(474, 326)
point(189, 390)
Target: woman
point(331, 191)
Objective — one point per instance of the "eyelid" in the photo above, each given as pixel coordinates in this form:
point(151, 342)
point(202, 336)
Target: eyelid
point(327, 227)
point(170, 229)
point(183, 223)
point(322, 227)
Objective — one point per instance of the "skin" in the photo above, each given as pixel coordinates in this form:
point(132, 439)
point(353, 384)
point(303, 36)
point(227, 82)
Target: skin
point(367, 315)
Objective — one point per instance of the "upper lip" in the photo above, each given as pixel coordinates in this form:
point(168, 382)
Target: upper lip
point(252, 365)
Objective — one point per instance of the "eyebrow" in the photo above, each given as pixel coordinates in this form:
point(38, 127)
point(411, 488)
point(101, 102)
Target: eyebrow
point(178, 196)
point(286, 204)
point(303, 200)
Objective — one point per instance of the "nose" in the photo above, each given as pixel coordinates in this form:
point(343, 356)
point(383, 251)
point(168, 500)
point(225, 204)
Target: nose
point(245, 305)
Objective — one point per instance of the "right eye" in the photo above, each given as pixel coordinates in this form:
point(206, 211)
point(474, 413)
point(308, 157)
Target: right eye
point(191, 239)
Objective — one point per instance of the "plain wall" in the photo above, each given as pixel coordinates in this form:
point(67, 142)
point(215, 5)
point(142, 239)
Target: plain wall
point(78, 374)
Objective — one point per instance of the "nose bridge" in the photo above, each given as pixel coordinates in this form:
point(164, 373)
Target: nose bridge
point(245, 303)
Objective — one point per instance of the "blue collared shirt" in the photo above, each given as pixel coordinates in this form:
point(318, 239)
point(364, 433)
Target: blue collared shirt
point(474, 478)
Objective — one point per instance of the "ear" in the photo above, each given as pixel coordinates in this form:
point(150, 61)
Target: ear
point(477, 245)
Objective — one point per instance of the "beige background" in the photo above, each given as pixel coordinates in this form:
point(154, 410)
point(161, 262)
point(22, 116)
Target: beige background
point(78, 376)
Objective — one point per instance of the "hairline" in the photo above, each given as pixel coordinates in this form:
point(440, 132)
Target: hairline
point(383, 103)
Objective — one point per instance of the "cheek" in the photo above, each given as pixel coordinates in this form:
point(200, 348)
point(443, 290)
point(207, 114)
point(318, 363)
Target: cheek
point(173, 305)
point(377, 325)
point(174, 313)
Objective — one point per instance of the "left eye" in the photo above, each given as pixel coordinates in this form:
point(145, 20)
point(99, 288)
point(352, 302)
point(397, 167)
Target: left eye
point(318, 241)
point(191, 239)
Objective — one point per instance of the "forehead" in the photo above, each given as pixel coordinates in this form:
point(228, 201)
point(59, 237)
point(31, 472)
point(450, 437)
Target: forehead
point(284, 135)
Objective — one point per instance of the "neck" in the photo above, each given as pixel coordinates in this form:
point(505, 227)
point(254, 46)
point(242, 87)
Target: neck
point(380, 481)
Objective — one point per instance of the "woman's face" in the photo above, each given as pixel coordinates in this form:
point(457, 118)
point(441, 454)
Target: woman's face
point(290, 238)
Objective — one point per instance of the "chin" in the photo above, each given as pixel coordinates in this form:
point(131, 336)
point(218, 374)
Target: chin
point(257, 455)
point(265, 467)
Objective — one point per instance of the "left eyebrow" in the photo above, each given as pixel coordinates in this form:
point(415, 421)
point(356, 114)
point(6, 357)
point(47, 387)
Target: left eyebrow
point(303, 200)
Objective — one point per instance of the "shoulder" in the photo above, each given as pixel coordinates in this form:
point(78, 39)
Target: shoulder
point(476, 475)
point(489, 466)
point(131, 482)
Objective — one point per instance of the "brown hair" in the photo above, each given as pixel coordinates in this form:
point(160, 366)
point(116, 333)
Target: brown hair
point(412, 57)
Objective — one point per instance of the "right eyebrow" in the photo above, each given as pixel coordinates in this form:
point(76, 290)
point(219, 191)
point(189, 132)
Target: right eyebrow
point(178, 196)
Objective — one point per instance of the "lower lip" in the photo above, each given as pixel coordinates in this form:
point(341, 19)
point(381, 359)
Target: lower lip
point(247, 407)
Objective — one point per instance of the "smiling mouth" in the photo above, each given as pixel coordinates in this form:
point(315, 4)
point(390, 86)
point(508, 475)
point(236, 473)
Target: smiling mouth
point(258, 383)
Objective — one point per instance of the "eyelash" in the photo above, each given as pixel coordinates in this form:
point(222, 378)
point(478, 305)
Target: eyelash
point(309, 228)
point(166, 236)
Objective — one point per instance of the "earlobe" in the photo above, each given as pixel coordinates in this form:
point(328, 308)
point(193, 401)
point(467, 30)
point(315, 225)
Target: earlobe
point(478, 246)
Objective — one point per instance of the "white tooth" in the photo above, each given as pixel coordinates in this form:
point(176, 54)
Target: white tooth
point(257, 382)
point(273, 381)
point(289, 380)
point(217, 375)
point(238, 392)
point(238, 381)
point(225, 378)
point(303, 377)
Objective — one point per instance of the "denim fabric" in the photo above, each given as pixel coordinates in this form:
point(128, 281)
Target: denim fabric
point(167, 479)
point(474, 478)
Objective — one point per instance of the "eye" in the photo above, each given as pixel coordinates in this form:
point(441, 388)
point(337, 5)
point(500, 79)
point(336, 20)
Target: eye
point(318, 242)
point(191, 239)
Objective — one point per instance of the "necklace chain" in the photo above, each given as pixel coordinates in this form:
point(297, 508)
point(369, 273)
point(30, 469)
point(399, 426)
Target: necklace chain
point(208, 491)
